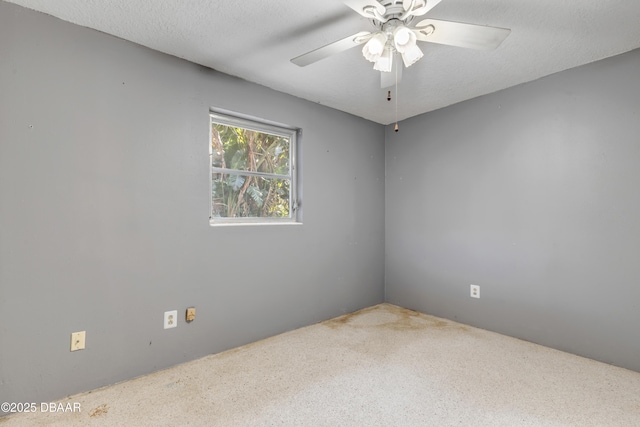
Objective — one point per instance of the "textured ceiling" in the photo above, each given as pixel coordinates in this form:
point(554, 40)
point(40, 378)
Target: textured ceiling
point(255, 39)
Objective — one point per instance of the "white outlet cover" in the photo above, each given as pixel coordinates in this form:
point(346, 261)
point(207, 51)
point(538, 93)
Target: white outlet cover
point(170, 319)
point(475, 291)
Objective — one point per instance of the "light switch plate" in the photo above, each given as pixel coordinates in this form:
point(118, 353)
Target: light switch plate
point(190, 315)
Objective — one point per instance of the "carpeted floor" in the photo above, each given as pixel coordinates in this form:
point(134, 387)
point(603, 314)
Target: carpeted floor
point(381, 366)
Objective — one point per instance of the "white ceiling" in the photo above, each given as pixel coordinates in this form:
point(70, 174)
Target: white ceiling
point(255, 39)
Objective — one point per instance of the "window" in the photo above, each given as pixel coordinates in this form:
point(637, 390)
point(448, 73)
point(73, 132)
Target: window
point(253, 174)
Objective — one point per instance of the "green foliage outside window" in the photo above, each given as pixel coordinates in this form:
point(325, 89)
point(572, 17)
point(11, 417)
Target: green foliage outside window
point(251, 173)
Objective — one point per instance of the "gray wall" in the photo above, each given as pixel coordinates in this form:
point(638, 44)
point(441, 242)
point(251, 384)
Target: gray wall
point(104, 198)
point(531, 193)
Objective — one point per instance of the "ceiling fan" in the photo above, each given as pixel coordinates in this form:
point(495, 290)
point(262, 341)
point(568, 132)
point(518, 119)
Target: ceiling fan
point(396, 34)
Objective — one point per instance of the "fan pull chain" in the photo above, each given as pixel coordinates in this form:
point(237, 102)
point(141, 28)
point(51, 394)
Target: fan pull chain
point(388, 95)
point(395, 128)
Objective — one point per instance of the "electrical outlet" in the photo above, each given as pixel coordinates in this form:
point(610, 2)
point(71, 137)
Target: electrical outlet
point(77, 340)
point(170, 319)
point(475, 291)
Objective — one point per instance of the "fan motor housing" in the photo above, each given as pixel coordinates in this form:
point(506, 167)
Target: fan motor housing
point(392, 15)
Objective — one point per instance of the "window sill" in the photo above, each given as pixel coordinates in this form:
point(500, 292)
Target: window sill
point(251, 223)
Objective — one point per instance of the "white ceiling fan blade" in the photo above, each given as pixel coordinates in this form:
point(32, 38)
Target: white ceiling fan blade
point(331, 49)
point(459, 34)
point(389, 79)
point(364, 7)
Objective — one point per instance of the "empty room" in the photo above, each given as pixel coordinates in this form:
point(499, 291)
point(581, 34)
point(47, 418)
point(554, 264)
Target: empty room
point(319, 213)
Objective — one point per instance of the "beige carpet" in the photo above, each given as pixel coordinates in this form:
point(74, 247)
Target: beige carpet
point(382, 366)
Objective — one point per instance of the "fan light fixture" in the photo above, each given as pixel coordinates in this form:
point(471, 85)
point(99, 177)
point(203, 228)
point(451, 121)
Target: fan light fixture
point(404, 41)
point(380, 47)
point(375, 47)
point(385, 61)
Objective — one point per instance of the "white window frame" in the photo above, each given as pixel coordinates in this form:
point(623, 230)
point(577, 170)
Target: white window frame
point(235, 120)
